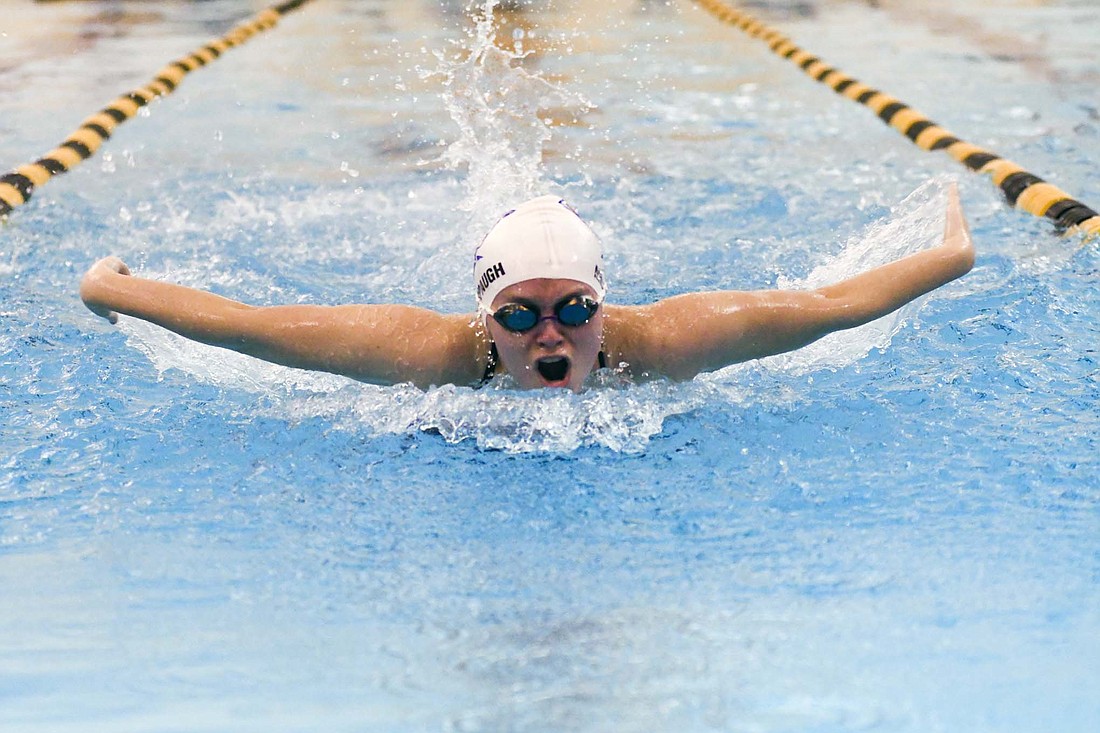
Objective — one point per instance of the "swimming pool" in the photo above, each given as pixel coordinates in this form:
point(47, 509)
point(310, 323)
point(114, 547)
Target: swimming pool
point(895, 530)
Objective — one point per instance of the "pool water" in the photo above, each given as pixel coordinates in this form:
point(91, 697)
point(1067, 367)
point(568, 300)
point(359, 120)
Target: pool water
point(895, 529)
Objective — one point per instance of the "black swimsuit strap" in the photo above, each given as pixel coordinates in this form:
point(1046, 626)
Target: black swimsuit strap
point(494, 358)
point(490, 365)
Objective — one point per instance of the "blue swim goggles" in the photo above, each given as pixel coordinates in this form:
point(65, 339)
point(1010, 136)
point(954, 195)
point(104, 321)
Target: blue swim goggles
point(521, 317)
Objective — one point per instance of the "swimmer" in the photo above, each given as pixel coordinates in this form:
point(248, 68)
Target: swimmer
point(542, 316)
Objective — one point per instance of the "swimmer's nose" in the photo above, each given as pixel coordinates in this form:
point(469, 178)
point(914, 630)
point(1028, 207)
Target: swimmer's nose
point(548, 332)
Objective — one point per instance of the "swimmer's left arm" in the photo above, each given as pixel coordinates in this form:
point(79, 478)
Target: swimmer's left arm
point(379, 344)
point(383, 343)
point(685, 335)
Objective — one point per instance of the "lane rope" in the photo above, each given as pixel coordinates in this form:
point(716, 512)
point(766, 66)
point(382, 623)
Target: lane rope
point(16, 187)
point(1021, 188)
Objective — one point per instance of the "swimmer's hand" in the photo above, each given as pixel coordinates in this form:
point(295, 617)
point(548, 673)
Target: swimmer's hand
point(956, 233)
point(94, 286)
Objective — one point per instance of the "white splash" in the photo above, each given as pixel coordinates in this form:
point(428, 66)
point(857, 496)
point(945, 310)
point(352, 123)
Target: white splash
point(498, 107)
point(620, 417)
point(914, 224)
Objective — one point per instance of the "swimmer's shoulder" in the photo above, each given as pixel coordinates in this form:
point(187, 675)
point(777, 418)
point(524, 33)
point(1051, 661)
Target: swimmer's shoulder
point(661, 339)
point(390, 344)
point(628, 338)
point(463, 348)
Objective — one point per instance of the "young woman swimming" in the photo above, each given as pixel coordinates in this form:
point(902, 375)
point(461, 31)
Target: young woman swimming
point(541, 317)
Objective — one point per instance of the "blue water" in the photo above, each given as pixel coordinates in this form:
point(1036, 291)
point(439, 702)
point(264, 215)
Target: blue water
point(893, 530)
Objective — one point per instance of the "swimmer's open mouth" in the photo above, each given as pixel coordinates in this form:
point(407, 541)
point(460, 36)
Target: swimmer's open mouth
point(554, 368)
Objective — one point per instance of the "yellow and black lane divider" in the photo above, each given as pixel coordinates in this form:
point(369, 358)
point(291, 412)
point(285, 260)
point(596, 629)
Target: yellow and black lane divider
point(1022, 189)
point(16, 187)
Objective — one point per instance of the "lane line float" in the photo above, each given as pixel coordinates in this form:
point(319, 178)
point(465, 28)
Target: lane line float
point(16, 187)
point(1021, 189)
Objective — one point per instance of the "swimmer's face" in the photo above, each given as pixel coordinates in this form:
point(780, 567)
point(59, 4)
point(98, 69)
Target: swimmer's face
point(550, 354)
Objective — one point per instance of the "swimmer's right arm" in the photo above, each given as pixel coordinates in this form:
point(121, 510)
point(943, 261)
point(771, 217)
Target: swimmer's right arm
point(381, 344)
point(685, 335)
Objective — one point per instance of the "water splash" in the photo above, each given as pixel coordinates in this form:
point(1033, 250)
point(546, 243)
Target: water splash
point(620, 417)
point(915, 224)
point(498, 108)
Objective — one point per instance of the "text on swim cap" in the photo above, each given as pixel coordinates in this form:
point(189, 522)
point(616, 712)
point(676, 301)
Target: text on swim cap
point(488, 277)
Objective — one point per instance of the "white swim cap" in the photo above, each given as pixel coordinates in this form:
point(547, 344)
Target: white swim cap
point(542, 238)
